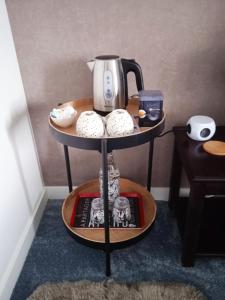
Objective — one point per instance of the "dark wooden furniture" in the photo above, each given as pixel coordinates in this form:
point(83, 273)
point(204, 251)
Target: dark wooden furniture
point(201, 217)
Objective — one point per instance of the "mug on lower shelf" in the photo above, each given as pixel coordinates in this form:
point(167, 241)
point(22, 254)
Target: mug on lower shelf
point(97, 213)
point(121, 212)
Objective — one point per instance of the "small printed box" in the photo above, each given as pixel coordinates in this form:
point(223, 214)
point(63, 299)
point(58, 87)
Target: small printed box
point(150, 107)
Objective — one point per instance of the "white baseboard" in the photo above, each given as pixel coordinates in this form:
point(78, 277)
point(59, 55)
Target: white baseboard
point(15, 265)
point(162, 193)
point(159, 193)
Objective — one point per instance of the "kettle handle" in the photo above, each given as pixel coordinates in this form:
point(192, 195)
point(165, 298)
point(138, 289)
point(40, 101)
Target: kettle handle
point(130, 65)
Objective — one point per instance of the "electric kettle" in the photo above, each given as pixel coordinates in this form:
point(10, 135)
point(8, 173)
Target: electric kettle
point(110, 90)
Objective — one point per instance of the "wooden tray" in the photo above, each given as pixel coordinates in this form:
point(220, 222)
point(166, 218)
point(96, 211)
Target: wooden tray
point(117, 235)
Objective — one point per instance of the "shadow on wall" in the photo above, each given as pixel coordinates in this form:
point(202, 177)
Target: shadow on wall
point(49, 150)
point(202, 84)
point(66, 80)
point(15, 130)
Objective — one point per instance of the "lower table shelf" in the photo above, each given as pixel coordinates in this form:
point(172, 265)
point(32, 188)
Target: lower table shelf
point(117, 235)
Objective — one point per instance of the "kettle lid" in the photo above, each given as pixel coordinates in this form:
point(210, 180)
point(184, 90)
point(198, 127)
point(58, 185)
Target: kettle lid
point(107, 57)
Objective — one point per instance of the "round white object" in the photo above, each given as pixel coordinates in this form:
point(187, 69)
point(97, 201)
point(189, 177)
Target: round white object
point(63, 117)
point(90, 124)
point(119, 123)
point(201, 128)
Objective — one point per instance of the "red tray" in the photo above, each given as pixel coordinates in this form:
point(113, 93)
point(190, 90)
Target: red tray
point(81, 211)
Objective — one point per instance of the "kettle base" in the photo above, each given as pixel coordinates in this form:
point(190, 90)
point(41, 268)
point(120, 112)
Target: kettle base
point(102, 113)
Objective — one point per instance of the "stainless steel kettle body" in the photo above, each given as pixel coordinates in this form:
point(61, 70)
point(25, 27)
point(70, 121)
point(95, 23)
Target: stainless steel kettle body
point(110, 82)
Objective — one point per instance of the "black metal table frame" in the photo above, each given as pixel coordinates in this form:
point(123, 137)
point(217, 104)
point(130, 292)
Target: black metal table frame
point(106, 145)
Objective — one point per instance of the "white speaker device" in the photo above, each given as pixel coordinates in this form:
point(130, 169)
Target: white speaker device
point(201, 128)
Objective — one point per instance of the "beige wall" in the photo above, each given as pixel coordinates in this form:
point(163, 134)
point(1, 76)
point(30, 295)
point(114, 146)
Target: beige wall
point(179, 44)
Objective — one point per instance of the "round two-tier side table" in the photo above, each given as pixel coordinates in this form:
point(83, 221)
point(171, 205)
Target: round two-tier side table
point(107, 238)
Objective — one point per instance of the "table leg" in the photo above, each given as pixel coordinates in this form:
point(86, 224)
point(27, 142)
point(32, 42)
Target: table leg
point(175, 179)
point(150, 158)
point(192, 224)
point(68, 170)
point(106, 204)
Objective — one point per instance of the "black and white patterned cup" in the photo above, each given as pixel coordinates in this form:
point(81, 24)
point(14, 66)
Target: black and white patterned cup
point(97, 213)
point(121, 212)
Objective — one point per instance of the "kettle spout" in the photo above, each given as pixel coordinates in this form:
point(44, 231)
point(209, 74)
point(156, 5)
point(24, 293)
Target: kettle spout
point(91, 64)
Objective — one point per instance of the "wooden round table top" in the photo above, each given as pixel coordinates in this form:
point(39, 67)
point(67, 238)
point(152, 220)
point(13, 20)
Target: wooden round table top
point(68, 136)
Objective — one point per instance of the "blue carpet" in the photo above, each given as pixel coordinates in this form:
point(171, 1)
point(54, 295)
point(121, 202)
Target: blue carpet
point(55, 257)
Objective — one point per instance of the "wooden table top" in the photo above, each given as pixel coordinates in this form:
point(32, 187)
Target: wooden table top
point(68, 136)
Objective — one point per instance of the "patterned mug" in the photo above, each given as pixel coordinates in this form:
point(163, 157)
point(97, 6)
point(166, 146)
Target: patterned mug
point(121, 212)
point(90, 124)
point(119, 123)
